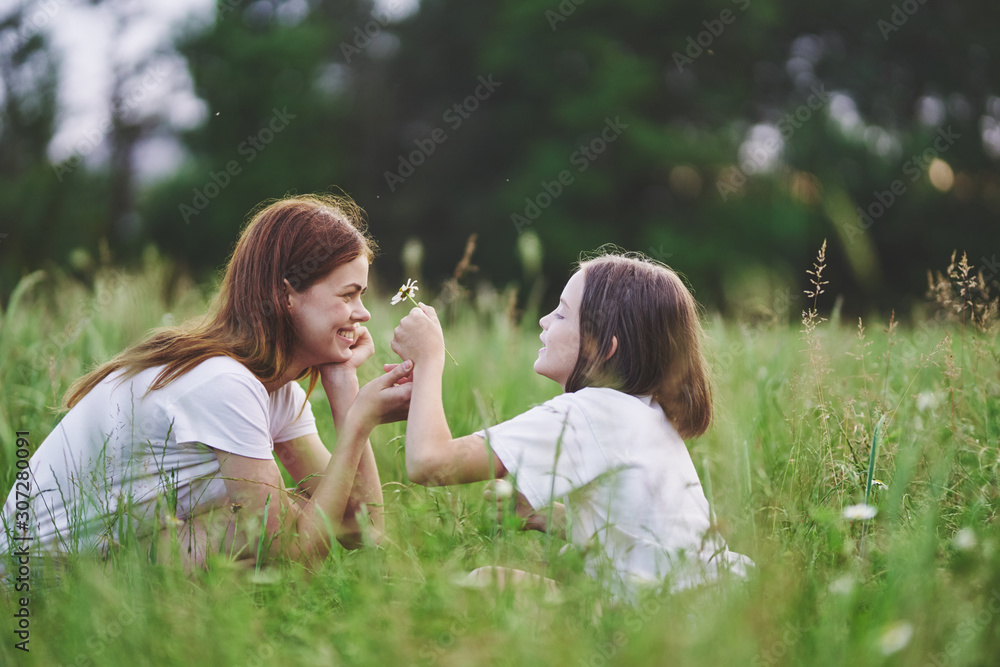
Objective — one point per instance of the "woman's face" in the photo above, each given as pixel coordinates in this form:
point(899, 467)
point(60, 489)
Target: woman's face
point(561, 334)
point(327, 314)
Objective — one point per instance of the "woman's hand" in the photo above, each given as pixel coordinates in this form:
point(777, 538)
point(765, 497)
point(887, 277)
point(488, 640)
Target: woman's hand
point(385, 399)
point(363, 349)
point(388, 367)
point(419, 337)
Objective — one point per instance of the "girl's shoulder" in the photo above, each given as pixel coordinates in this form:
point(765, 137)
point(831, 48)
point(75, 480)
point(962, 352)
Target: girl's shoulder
point(605, 397)
point(621, 413)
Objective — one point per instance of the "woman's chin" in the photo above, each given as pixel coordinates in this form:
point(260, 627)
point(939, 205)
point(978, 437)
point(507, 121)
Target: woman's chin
point(340, 356)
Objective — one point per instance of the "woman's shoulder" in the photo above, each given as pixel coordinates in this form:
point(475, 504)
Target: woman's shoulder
point(223, 364)
point(213, 373)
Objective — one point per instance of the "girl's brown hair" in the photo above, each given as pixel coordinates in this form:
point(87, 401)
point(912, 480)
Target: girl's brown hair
point(301, 239)
point(647, 307)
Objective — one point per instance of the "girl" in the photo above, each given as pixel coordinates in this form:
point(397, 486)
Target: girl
point(624, 344)
point(179, 431)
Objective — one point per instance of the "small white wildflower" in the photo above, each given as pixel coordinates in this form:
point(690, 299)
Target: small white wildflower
point(502, 489)
point(405, 292)
point(860, 512)
point(964, 539)
point(842, 585)
point(927, 400)
point(895, 637)
point(265, 576)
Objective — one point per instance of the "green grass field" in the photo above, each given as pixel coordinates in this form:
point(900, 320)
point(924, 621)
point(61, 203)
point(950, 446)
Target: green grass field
point(795, 423)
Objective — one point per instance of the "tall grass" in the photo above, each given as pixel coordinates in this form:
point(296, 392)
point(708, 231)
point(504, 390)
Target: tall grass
point(792, 445)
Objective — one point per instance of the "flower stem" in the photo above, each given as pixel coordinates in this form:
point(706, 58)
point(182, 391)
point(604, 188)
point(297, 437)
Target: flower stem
point(446, 347)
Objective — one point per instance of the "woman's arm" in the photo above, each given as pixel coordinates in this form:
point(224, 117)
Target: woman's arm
point(340, 382)
point(433, 457)
point(298, 528)
point(306, 459)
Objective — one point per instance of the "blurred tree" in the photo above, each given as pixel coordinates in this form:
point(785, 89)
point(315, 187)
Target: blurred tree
point(727, 139)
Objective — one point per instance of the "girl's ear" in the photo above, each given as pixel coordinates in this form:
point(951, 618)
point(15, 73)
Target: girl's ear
point(288, 292)
point(614, 348)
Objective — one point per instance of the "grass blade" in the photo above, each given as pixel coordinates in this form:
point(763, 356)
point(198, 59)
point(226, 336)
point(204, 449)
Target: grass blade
point(876, 439)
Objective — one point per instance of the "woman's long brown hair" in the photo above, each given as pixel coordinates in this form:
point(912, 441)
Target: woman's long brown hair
point(647, 307)
point(299, 239)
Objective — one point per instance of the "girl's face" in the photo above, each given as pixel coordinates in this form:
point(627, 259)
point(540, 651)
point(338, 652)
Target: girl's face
point(561, 334)
point(327, 314)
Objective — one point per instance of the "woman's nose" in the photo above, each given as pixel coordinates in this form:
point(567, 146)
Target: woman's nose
point(362, 314)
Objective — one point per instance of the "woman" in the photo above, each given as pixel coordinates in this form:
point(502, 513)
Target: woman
point(179, 431)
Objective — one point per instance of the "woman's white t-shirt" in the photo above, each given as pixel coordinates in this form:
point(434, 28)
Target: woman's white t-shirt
point(633, 498)
point(118, 443)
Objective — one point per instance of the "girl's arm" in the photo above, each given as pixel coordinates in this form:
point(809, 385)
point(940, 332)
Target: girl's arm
point(433, 457)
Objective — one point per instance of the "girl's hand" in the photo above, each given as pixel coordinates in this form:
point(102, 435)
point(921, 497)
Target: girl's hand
point(419, 337)
point(385, 399)
point(363, 349)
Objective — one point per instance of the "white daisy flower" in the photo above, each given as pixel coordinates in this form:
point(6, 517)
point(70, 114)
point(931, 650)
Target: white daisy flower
point(927, 400)
point(964, 539)
point(405, 292)
point(502, 489)
point(895, 637)
point(842, 585)
point(860, 512)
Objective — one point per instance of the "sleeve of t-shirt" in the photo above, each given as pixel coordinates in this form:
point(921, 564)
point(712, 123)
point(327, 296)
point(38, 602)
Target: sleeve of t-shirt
point(227, 412)
point(550, 450)
point(286, 422)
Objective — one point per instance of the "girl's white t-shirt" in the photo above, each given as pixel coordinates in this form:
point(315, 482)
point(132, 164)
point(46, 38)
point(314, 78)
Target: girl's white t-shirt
point(633, 498)
point(119, 443)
